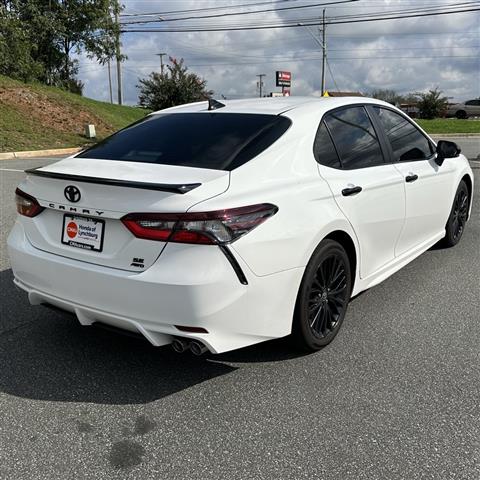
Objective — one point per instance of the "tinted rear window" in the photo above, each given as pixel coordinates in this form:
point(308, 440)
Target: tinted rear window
point(219, 141)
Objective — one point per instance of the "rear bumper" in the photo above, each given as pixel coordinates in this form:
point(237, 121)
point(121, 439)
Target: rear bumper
point(187, 286)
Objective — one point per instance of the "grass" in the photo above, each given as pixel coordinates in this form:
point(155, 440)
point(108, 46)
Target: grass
point(450, 125)
point(24, 130)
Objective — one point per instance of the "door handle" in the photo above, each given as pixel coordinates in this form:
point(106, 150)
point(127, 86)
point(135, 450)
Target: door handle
point(351, 191)
point(411, 178)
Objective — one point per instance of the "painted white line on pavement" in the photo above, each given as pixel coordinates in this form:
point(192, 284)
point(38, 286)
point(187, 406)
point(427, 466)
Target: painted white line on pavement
point(11, 170)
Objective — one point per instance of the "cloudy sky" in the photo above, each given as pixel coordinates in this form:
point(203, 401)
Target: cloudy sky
point(407, 55)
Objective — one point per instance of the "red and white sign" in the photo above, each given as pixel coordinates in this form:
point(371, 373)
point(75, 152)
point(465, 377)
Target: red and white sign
point(72, 229)
point(284, 79)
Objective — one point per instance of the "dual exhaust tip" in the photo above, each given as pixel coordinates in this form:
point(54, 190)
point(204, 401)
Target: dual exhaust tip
point(181, 345)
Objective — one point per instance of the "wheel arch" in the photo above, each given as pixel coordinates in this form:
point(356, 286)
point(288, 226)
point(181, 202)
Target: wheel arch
point(468, 181)
point(346, 241)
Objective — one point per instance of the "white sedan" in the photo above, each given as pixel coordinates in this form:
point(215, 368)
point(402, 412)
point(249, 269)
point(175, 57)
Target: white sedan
point(213, 226)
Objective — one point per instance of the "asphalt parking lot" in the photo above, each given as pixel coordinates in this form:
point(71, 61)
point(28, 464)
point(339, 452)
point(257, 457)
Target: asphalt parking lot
point(395, 396)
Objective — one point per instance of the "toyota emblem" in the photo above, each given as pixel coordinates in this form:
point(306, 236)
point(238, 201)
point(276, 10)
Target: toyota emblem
point(72, 194)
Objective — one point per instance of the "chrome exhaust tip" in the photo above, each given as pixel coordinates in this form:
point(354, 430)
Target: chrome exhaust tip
point(180, 345)
point(197, 348)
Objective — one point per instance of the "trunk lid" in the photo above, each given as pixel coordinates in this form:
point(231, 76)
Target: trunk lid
point(108, 191)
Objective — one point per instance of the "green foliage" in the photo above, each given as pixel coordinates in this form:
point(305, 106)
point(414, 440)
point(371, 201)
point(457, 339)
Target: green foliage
point(431, 104)
point(15, 49)
point(38, 38)
point(449, 125)
point(175, 86)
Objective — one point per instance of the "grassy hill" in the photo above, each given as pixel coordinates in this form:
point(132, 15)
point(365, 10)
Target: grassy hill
point(34, 116)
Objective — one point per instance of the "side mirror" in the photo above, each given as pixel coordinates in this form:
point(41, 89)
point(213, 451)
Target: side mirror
point(445, 150)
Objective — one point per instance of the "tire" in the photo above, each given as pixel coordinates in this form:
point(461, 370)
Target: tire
point(323, 297)
point(461, 114)
point(458, 217)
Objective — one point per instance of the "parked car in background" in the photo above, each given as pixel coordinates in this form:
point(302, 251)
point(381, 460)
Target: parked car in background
point(471, 108)
point(213, 226)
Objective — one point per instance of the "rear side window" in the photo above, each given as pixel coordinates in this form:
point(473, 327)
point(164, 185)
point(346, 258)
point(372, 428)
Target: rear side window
point(355, 138)
point(219, 141)
point(324, 149)
point(407, 142)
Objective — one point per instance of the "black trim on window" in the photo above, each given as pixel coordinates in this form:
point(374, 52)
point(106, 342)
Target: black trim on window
point(380, 137)
point(320, 125)
point(161, 187)
point(233, 262)
point(371, 108)
point(385, 146)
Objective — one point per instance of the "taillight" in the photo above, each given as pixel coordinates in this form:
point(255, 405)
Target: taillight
point(209, 228)
point(26, 204)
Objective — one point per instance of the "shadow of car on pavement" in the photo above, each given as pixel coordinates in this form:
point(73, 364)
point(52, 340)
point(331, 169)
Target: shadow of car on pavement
point(48, 355)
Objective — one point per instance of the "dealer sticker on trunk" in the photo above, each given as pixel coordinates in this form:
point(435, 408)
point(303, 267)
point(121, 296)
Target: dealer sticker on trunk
point(83, 232)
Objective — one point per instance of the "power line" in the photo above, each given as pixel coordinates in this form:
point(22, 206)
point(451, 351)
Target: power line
point(290, 25)
point(231, 14)
point(360, 15)
point(190, 10)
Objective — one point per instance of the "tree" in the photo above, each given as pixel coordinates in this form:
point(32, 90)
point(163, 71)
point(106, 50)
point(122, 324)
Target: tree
point(390, 96)
point(15, 48)
point(45, 33)
point(174, 87)
point(431, 104)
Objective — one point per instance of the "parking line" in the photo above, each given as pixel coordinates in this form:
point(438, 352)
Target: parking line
point(10, 170)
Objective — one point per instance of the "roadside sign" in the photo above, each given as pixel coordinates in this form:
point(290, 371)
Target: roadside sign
point(284, 79)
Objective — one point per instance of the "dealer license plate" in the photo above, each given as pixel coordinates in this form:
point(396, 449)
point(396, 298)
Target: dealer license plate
point(83, 232)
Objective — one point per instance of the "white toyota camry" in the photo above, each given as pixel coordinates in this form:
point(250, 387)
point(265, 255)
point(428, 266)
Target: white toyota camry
point(213, 226)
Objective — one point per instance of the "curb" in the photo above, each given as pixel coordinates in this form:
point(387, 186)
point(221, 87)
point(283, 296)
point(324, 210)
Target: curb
point(39, 153)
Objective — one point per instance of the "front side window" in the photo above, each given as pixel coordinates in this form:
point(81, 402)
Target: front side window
point(355, 138)
point(324, 149)
point(407, 142)
point(219, 141)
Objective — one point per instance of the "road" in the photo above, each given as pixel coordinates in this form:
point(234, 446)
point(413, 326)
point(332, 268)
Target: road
point(395, 396)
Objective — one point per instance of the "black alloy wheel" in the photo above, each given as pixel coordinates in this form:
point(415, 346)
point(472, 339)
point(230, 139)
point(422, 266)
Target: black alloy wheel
point(458, 216)
point(323, 297)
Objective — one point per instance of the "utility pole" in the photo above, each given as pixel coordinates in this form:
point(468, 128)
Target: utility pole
point(161, 55)
point(260, 82)
point(324, 51)
point(118, 55)
point(110, 81)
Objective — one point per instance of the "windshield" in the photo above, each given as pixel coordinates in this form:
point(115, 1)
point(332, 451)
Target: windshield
point(220, 141)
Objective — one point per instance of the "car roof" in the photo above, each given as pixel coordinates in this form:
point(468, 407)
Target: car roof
point(271, 105)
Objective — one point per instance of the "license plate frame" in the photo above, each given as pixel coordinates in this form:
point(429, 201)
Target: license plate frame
point(82, 220)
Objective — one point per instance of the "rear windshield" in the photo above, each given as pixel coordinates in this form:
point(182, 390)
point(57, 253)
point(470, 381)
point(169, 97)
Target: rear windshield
point(219, 141)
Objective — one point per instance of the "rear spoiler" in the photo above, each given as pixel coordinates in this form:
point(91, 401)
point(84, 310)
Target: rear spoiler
point(161, 187)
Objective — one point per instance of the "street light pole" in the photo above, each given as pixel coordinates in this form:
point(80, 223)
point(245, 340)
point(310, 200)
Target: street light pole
point(324, 51)
point(161, 55)
point(260, 82)
point(323, 45)
point(110, 81)
point(119, 57)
